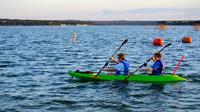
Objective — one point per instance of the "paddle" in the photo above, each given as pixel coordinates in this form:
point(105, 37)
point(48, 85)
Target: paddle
point(179, 63)
point(106, 64)
point(145, 62)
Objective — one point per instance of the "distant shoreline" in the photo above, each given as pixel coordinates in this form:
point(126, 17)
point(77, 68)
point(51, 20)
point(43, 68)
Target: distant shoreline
point(19, 22)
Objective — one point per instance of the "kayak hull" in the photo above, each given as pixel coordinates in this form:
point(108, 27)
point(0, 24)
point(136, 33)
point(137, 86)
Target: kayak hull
point(165, 78)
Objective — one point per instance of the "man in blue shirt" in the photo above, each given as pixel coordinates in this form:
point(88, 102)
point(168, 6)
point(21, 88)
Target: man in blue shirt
point(122, 67)
point(157, 67)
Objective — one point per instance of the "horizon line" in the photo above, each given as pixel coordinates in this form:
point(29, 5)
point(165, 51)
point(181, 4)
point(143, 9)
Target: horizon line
point(94, 20)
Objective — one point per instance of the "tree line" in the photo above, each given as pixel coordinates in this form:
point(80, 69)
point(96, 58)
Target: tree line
point(18, 22)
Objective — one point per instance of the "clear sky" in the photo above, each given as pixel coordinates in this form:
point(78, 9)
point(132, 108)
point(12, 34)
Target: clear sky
point(101, 9)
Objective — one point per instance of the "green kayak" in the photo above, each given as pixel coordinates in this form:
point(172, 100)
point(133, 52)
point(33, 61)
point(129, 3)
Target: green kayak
point(165, 78)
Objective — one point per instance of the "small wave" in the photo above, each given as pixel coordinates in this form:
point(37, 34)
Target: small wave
point(7, 64)
point(65, 102)
point(18, 97)
point(10, 109)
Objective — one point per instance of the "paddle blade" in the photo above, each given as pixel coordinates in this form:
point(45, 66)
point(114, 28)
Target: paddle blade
point(124, 41)
point(165, 47)
point(168, 44)
point(106, 64)
point(145, 64)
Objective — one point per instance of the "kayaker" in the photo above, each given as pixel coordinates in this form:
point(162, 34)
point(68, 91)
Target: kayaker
point(157, 67)
point(122, 67)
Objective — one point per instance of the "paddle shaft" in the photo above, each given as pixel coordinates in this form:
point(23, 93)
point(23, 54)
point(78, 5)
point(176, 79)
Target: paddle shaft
point(179, 63)
point(111, 57)
point(146, 62)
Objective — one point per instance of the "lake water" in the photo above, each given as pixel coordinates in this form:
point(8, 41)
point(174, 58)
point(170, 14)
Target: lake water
point(34, 61)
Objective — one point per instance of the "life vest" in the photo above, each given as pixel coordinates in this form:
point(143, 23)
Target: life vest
point(126, 68)
point(159, 70)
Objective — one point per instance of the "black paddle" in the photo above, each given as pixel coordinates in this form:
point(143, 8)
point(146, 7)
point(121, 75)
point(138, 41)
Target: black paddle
point(145, 63)
point(106, 64)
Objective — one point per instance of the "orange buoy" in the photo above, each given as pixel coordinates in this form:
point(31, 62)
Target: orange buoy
point(158, 42)
point(197, 26)
point(187, 39)
point(163, 27)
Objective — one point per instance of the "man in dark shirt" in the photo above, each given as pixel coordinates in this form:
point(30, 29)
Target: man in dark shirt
point(157, 68)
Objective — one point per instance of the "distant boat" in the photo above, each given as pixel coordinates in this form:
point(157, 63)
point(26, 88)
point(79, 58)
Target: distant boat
point(63, 25)
point(82, 25)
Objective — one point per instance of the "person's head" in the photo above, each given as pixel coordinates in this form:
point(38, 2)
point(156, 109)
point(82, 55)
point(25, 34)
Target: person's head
point(121, 56)
point(157, 56)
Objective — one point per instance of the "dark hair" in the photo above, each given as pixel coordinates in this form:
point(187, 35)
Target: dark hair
point(158, 54)
point(121, 55)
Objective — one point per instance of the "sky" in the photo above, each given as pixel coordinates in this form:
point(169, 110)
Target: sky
point(100, 9)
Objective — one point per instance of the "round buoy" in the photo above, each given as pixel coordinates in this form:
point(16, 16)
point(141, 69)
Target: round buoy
point(187, 39)
point(197, 27)
point(163, 27)
point(158, 42)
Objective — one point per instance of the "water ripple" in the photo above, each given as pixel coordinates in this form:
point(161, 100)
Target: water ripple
point(34, 62)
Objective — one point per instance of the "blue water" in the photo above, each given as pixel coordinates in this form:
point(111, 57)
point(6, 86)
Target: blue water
point(34, 61)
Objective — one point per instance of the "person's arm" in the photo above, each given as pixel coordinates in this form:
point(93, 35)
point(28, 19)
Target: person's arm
point(113, 59)
point(109, 69)
point(146, 70)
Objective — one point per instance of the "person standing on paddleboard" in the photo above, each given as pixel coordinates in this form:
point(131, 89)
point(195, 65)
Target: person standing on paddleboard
point(122, 67)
